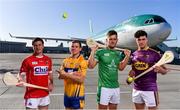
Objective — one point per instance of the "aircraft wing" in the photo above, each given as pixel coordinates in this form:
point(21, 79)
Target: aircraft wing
point(172, 39)
point(49, 38)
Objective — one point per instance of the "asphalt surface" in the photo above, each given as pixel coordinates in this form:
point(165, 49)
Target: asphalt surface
point(12, 97)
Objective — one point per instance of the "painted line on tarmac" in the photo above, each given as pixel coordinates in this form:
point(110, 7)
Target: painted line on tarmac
point(90, 93)
point(53, 94)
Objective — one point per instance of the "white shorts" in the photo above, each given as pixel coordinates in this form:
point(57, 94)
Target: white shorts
point(109, 95)
point(150, 98)
point(35, 102)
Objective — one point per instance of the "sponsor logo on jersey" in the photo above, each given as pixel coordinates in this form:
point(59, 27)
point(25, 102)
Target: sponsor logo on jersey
point(68, 70)
point(41, 70)
point(141, 65)
point(34, 63)
point(30, 103)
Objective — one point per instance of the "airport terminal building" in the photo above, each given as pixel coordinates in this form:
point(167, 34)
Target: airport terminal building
point(12, 47)
point(20, 47)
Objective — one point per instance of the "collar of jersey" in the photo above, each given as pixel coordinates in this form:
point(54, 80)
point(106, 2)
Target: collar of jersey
point(145, 48)
point(76, 57)
point(38, 56)
point(108, 48)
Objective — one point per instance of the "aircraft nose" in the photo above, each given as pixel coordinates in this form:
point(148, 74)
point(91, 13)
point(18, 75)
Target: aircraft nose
point(166, 31)
point(168, 28)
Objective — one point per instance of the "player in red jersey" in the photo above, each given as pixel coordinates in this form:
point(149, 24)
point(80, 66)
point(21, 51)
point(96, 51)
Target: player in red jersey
point(37, 70)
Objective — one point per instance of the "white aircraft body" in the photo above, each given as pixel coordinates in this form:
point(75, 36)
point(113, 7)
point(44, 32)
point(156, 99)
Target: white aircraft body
point(158, 30)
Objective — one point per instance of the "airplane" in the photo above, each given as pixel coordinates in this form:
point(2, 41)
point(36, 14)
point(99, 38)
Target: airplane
point(157, 27)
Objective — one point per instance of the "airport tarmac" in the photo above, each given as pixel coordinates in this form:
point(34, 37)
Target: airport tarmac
point(12, 98)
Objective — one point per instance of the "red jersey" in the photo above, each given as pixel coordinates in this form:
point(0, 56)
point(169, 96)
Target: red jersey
point(37, 72)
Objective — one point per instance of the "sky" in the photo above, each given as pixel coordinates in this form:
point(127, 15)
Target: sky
point(43, 18)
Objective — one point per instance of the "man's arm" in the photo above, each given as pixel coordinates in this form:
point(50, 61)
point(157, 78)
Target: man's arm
point(60, 69)
point(161, 69)
point(131, 74)
point(91, 61)
point(50, 77)
point(51, 86)
point(123, 63)
point(75, 76)
point(21, 76)
point(65, 75)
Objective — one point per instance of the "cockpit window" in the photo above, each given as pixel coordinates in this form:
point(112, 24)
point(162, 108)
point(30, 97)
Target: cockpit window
point(149, 21)
point(159, 19)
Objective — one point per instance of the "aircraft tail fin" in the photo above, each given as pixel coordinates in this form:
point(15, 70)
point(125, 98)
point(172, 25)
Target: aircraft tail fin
point(90, 28)
point(11, 35)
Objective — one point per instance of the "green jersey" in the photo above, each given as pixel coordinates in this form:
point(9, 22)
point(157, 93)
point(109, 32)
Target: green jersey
point(108, 64)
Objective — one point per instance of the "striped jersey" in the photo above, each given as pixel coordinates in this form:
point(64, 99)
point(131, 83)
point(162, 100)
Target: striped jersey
point(72, 88)
point(108, 64)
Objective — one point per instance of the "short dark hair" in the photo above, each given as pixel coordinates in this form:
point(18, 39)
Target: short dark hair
point(111, 32)
point(76, 41)
point(37, 39)
point(140, 33)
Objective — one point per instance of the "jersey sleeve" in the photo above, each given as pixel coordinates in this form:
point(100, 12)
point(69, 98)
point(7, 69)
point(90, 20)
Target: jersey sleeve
point(97, 55)
point(83, 67)
point(24, 67)
point(50, 65)
point(62, 65)
point(130, 59)
point(158, 57)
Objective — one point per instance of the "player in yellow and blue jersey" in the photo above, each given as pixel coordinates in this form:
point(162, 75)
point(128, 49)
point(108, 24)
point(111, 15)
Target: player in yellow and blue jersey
point(73, 71)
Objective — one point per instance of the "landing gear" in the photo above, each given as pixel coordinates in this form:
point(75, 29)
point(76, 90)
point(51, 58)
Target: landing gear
point(86, 51)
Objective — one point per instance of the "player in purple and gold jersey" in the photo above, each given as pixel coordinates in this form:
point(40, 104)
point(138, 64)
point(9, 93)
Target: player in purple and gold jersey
point(145, 91)
point(73, 71)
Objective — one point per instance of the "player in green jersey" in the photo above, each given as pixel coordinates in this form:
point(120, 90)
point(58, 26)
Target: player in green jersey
point(109, 62)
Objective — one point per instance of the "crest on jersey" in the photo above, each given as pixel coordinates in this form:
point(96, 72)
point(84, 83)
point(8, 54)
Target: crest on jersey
point(46, 62)
point(113, 64)
point(106, 54)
